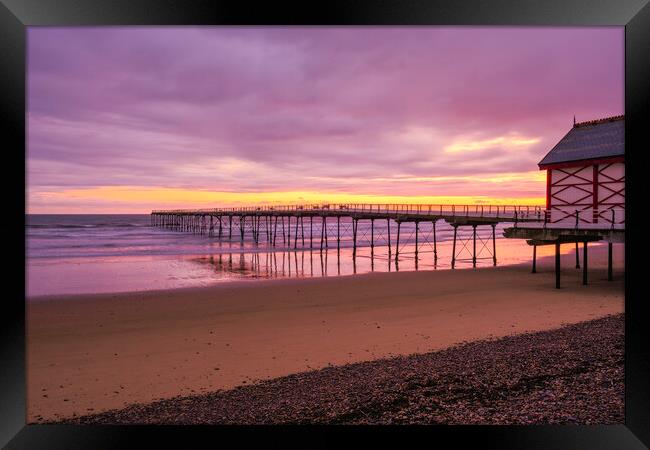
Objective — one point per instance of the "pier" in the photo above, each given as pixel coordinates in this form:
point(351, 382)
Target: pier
point(324, 226)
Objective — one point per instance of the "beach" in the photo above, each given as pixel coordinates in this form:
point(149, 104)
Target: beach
point(571, 375)
point(90, 353)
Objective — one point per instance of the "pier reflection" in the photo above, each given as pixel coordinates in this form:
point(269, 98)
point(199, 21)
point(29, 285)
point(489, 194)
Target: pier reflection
point(314, 263)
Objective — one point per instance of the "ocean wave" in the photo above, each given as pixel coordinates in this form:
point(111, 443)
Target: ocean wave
point(86, 226)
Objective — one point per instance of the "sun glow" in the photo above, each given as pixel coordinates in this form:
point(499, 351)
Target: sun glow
point(135, 199)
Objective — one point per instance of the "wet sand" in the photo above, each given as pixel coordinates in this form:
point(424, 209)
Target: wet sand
point(90, 353)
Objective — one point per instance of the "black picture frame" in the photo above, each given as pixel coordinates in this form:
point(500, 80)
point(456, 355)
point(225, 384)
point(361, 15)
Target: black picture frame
point(16, 15)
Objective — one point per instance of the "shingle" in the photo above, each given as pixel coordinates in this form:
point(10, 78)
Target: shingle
point(589, 140)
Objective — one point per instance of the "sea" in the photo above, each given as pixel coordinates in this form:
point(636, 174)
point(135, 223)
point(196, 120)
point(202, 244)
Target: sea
point(79, 254)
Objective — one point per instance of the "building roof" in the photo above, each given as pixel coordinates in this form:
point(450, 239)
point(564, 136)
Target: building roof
point(596, 139)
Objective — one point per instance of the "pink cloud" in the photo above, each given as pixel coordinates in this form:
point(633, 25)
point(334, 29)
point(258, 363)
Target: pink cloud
point(312, 108)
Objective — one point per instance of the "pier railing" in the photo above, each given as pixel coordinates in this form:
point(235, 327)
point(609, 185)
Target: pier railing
point(488, 211)
point(534, 215)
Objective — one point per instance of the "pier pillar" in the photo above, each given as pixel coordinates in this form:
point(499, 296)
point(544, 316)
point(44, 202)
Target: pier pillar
point(584, 264)
point(388, 226)
point(338, 232)
point(453, 248)
point(355, 224)
point(302, 231)
point(289, 231)
point(322, 233)
point(295, 243)
point(242, 222)
point(577, 256)
point(284, 233)
point(435, 244)
point(417, 231)
point(230, 227)
point(557, 264)
point(275, 230)
point(494, 244)
point(399, 226)
point(311, 231)
point(474, 246)
point(326, 243)
point(534, 259)
point(610, 274)
point(372, 237)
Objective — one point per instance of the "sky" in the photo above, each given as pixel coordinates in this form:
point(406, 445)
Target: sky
point(130, 119)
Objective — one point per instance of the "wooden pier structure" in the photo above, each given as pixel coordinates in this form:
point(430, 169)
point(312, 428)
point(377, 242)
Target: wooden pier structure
point(319, 226)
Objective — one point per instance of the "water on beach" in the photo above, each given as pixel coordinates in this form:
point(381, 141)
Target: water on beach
point(68, 254)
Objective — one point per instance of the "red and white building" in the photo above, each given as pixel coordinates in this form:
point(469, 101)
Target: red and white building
point(586, 173)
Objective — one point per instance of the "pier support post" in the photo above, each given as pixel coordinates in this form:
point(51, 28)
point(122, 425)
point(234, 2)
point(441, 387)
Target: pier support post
point(275, 231)
point(302, 231)
point(322, 233)
point(295, 238)
point(399, 226)
point(388, 226)
point(494, 244)
point(577, 256)
point(219, 227)
point(311, 231)
point(435, 244)
point(284, 233)
point(534, 259)
point(230, 227)
point(242, 222)
point(557, 264)
point(289, 231)
point(338, 232)
point(372, 237)
point(474, 246)
point(327, 245)
point(584, 264)
point(417, 231)
point(453, 248)
point(610, 274)
point(355, 224)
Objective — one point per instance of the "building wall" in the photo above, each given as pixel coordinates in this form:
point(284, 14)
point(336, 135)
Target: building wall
point(611, 192)
point(572, 188)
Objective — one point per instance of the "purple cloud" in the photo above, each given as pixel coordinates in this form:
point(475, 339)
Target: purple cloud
point(245, 109)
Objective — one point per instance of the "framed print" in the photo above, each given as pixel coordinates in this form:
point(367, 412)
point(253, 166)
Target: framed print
point(316, 224)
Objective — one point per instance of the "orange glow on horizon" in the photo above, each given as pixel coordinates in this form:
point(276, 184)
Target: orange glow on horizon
point(136, 199)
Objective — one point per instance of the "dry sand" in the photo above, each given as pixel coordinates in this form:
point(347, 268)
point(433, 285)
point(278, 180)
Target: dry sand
point(90, 353)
